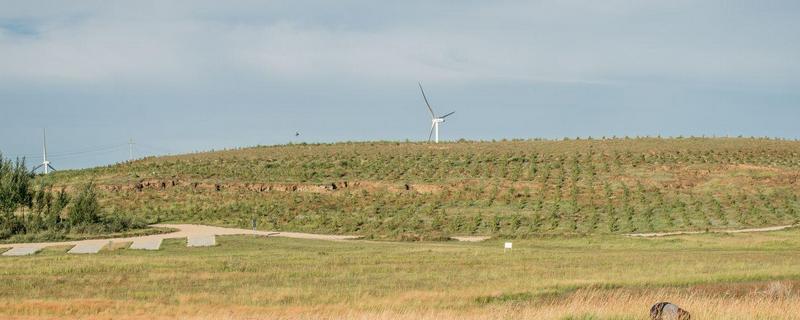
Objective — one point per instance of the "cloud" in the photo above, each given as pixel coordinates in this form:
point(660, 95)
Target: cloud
point(199, 74)
point(552, 41)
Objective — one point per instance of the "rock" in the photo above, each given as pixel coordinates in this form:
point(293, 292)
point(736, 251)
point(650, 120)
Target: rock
point(668, 311)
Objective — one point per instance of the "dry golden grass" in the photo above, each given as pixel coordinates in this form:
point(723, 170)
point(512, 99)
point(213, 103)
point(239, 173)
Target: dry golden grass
point(742, 276)
point(722, 303)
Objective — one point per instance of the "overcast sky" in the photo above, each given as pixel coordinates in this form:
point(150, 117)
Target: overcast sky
point(179, 76)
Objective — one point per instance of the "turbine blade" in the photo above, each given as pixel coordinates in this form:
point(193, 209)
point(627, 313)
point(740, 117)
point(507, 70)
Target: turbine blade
point(36, 168)
point(51, 168)
point(426, 100)
point(445, 116)
point(431, 134)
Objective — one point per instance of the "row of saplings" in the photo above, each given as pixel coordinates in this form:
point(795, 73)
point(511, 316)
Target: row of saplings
point(31, 212)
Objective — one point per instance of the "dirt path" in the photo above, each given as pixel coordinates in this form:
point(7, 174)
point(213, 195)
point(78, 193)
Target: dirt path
point(677, 233)
point(184, 231)
point(470, 238)
point(190, 230)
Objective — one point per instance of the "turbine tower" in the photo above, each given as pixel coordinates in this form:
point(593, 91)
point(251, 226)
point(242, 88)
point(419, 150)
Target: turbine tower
point(45, 164)
point(435, 121)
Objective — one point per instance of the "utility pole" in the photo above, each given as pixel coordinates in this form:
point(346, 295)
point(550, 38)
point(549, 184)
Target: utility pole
point(130, 149)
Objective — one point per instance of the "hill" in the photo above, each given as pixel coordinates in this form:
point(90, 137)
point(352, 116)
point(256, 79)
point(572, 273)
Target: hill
point(425, 191)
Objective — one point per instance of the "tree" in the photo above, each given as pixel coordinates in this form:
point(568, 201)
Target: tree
point(86, 209)
point(14, 186)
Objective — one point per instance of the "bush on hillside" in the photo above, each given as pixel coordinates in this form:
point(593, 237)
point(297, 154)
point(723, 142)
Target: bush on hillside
point(85, 210)
point(38, 213)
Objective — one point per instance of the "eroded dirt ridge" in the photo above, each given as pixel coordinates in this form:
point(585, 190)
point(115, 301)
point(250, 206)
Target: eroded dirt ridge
point(164, 184)
point(670, 177)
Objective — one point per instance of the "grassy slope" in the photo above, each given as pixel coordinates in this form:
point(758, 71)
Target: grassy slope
point(608, 277)
point(513, 189)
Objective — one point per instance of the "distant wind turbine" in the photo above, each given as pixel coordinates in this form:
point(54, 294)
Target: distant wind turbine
point(435, 121)
point(45, 164)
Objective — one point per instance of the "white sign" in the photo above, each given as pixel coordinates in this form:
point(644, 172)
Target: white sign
point(508, 245)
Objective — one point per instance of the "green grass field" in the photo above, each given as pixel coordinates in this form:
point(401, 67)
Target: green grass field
point(745, 276)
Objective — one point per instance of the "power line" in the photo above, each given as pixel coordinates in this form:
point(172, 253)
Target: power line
point(89, 153)
point(97, 150)
point(85, 152)
point(77, 153)
point(81, 151)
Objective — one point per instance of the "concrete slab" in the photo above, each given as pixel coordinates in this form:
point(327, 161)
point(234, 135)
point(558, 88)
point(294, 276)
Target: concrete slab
point(198, 235)
point(22, 251)
point(146, 244)
point(87, 248)
point(201, 241)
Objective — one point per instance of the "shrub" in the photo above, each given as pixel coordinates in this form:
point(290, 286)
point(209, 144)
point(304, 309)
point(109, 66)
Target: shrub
point(86, 209)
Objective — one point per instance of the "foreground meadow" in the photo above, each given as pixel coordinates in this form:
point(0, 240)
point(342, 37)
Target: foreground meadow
point(744, 276)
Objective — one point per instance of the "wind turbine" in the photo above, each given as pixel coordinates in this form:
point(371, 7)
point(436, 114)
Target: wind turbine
point(45, 164)
point(435, 121)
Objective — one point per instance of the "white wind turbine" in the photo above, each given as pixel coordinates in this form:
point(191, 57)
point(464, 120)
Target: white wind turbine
point(45, 164)
point(435, 121)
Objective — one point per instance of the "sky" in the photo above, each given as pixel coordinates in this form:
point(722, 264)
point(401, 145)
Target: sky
point(184, 76)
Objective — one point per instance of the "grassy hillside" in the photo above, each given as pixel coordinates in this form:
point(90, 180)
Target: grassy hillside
point(513, 189)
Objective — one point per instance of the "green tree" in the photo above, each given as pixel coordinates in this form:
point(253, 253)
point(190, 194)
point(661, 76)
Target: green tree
point(86, 209)
point(14, 186)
